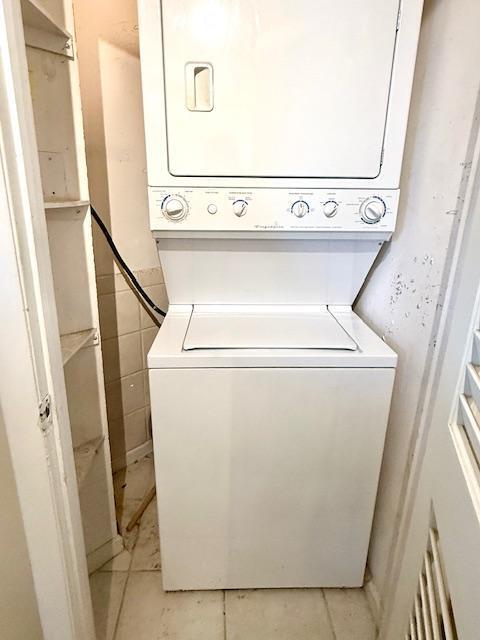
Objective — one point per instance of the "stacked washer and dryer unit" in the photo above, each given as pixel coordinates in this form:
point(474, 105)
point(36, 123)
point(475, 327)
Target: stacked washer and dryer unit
point(275, 133)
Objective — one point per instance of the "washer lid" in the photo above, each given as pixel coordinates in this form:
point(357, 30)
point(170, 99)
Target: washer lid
point(265, 327)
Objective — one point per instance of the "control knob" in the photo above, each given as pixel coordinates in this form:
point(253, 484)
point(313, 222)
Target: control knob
point(175, 208)
point(372, 210)
point(330, 208)
point(240, 208)
point(300, 208)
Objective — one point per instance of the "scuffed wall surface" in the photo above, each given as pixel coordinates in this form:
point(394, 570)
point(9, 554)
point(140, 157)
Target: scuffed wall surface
point(402, 299)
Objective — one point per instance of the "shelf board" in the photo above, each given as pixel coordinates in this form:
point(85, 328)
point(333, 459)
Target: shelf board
point(71, 343)
point(84, 456)
point(65, 204)
point(42, 32)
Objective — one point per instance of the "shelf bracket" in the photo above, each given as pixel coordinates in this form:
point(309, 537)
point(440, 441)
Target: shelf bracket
point(52, 42)
point(41, 31)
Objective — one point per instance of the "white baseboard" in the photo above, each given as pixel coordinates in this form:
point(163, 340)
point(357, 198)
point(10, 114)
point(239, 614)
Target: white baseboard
point(373, 597)
point(132, 456)
point(98, 557)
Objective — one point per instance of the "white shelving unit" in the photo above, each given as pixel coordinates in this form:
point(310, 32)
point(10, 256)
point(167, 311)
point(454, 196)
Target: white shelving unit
point(75, 205)
point(85, 457)
point(54, 87)
point(72, 342)
point(42, 32)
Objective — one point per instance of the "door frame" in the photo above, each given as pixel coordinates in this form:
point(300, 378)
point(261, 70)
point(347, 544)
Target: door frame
point(40, 444)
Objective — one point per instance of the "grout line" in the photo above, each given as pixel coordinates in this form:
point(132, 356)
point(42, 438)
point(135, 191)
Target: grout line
point(129, 573)
point(329, 615)
point(224, 615)
point(129, 333)
point(131, 556)
point(156, 571)
point(130, 288)
point(130, 413)
point(135, 571)
point(126, 285)
point(122, 602)
point(127, 375)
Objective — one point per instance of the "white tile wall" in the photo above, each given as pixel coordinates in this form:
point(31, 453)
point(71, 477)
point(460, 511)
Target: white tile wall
point(148, 336)
point(128, 432)
point(128, 330)
point(158, 294)
point(119, 313)
point(122, 355)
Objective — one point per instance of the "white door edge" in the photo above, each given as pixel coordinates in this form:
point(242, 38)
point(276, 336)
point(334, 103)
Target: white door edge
point(41, 450)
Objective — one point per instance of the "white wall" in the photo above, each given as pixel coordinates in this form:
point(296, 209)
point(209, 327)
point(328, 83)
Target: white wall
point(107, 43)
point(19, 619)
point(402, 299)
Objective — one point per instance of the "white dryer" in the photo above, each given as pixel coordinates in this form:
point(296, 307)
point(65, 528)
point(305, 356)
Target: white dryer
point(275, 134)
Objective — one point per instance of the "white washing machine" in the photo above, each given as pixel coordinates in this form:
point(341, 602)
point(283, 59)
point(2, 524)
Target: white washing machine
point(269, 426)
point(275, 135)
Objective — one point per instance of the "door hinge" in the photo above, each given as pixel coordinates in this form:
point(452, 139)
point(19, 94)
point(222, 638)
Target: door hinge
point(45, 411)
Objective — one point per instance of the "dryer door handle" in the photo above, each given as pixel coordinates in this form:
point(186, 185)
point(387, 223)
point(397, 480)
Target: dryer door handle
point(199, 86)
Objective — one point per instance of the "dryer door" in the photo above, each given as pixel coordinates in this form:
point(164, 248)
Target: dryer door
point(277, 88)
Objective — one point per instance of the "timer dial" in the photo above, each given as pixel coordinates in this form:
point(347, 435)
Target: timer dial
point(372, 210)
point(300, 208)
point(240, 208)
point(175, 208)
point(330, 208)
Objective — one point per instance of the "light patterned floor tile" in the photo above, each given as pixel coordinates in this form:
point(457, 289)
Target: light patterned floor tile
point(118, 563)
point(146, 554)
point(350, 614)
point(107, 591)
point(131, 485)
point(277, 614)
point(149, 613)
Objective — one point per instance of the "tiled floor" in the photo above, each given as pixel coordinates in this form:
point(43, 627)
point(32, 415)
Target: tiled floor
point(130, 604)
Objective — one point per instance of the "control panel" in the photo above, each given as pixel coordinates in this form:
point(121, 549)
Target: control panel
point(196, 209)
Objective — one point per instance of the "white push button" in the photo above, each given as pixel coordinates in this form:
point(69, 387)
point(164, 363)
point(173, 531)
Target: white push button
point(212, 208)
